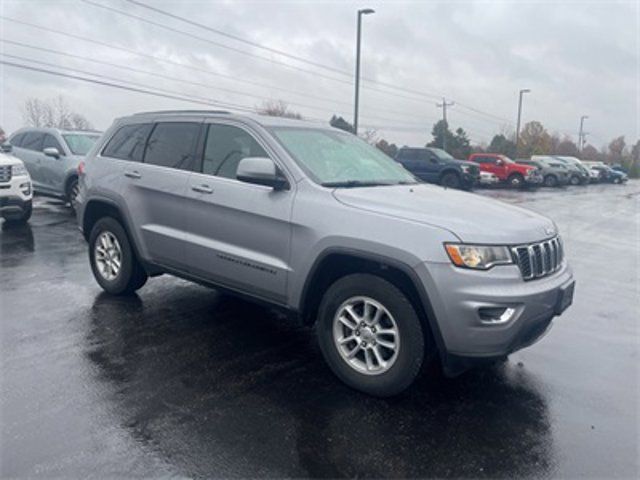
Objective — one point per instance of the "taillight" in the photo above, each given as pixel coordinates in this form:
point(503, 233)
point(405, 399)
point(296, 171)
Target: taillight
point(80, 168)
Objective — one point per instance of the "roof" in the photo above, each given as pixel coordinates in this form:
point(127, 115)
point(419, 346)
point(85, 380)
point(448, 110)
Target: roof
point(54, 130)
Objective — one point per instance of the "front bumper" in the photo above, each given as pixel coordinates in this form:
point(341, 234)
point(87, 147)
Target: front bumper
point(458, 295)
point(15, 195)
point(533, 179)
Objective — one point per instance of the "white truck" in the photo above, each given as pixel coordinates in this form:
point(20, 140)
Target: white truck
point(16, 192)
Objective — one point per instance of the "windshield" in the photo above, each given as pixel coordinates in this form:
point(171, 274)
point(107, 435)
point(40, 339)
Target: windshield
point(340, 159)
point(441, 154)
point(506, 159)
point(80, 143)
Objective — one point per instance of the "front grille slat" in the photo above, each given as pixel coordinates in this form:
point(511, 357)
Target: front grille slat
point(5, 174)
point(540, 259)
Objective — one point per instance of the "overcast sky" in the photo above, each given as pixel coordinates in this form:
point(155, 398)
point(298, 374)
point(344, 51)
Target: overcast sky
point(578, 58)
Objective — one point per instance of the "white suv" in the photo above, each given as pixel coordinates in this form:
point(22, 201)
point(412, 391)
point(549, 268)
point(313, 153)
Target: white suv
point(16, 192)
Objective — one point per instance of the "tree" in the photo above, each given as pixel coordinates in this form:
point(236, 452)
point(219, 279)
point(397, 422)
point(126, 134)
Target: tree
point(616, 149)
point(3, 136)
point(590, 153)
point(566, 147)
point(390, 149)
point(634, 161)
point(277, 108)
point(458, 144)
point(534, 140)
point(501, 144)
point(370, 136)
point(461, 147)
point(341, 123)
point(54, 113)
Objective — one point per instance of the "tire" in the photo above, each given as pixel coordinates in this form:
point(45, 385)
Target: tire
point(72, 193)
point(516, 180)
point(130, 275)
point(550, 181)
point(402, 364)
point(450, 180)
point(574, 180)
point(22, 217)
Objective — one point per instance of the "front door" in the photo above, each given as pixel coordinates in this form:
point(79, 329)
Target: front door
point(238, 234)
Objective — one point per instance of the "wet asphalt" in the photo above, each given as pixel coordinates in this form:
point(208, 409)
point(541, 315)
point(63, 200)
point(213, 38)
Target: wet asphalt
point(183, 381)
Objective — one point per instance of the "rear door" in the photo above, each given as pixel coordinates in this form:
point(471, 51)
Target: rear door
point(430, 166)
point(30, 152)
point(155, 189)
point(238, 234)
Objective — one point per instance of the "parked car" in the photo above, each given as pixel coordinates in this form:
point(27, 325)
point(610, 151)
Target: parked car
point(314, 221)
point(619, 168)
point(610, 175)
point(15, 189)
point(488, 179)
point(578, 173)
point(554, 174)
point(52, 157)
point(434, 165)
point(507, 170)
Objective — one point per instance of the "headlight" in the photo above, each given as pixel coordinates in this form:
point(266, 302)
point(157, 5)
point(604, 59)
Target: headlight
point(464, 168)
point(478, 257)
point(18, 170)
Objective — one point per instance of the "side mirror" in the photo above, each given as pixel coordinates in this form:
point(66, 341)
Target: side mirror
point(261, 171)
point(499, 162)
point(51, 152)
point(6, 148)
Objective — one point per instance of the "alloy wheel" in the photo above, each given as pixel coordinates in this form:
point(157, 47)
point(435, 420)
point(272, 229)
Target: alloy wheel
point(108, 255)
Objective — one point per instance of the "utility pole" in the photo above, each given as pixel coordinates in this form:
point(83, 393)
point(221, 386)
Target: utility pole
point(582, 133)
point(444, 106)
point(522, 92)
point(363, 11)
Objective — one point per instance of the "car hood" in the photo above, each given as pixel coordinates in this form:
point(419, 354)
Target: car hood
point(471, 217)
point(464, 162)
point(6, 159)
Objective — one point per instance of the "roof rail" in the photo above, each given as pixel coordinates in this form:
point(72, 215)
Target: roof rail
point(173, 112)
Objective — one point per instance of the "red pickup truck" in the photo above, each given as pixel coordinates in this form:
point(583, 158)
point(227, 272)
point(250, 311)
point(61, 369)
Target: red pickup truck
point(507, 170)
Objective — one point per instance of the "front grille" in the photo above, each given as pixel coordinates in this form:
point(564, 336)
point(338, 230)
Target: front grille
point(538, 260)
point(5, 174)
point(474, 170)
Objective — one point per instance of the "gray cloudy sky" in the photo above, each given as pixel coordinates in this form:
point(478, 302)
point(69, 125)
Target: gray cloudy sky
point(576, 57)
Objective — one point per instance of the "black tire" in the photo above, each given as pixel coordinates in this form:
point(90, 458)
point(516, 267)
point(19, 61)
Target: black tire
point(574, 180)
point(131, 275)
point(20, 217)
point(550, 181)
point(450, 180)
point(516, 180)
point(411, 353)
point(72, 192)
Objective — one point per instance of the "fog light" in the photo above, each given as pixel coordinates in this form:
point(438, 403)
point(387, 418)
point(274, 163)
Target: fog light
point(26, 188)
point(496, 315)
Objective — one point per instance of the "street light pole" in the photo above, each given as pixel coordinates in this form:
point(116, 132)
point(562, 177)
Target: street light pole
point(581, 135)
point(444, 106)
point(523, 91)
point(363, 11)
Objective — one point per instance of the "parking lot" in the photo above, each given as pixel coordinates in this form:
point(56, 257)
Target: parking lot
point(183, 381)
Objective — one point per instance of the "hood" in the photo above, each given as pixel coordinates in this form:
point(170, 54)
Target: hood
point(471, 217)
point(6, 159)
point(465, 162)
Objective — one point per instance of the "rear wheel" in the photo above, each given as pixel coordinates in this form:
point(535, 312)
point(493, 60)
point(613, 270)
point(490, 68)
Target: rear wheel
point(370, 335)
point(73, 188)
point(550, 181)
point(450, 180)
point(516, 180)
point(574, 180)
point(113, 261)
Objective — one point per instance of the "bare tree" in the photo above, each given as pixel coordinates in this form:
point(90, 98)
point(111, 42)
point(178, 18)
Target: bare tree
point(53, 113)
point(370, 136)
point(3, 136)
point(277, 108)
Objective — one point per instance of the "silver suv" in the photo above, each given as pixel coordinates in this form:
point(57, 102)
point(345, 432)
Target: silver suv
point(52, 157)
point(316, 222)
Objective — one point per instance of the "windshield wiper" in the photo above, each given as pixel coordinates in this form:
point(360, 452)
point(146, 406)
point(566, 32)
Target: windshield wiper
point(355, 183)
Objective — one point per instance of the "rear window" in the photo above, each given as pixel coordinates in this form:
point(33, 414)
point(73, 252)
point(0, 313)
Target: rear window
point(128, 142)
point(172, 145)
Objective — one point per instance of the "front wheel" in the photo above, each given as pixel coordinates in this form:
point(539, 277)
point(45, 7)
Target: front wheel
point(72, 193)
point(516, 180)
point(370, 335)
point(574, 180)
point(450, 180)
point(22, 217)
point(550, 181)
point(113, 261)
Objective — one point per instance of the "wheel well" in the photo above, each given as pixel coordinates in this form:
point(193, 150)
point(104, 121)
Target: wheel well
point(337, 265)
point(94, 211)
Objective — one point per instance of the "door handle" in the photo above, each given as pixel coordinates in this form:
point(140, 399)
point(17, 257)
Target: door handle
point(202, 189)
point(133, 174)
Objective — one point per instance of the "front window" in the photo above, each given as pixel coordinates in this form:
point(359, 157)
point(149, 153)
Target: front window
point(506, 159)
point(80, 143)
point(441, 154)
point(336, 159)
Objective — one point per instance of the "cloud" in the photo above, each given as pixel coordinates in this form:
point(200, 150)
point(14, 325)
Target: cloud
point(576, 57)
